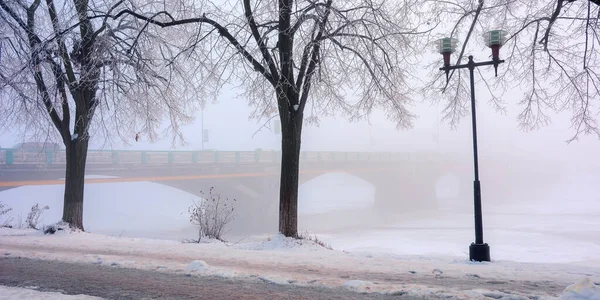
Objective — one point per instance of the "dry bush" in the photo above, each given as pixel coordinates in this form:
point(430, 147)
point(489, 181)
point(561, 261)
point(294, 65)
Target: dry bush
point(5, 221)
point(33, 217)
point(211, 214)
point(314, 239)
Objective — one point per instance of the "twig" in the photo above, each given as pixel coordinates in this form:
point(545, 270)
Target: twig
point(265, 125)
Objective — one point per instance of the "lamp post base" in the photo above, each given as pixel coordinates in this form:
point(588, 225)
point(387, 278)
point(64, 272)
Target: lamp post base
point(479, 252)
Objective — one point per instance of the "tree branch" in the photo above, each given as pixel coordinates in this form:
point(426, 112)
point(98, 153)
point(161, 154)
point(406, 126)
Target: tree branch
point(259, 40)
point(60, 84)
point(13, 15)
point(35, 58)
point(544, 40)
point(462, 51)
point(314, 57)
point(222, 31)
point(62, 49)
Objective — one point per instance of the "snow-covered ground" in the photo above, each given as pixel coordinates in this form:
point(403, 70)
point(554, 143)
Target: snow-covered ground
point(142, 224)
point(522, 238)
point(134, 209)
point(282, 260)
point(30, 293)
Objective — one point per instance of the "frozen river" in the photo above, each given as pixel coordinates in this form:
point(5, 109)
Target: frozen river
point(562, 224)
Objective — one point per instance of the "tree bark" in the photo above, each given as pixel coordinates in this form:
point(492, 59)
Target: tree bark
point(74, 182)
point(291, 134)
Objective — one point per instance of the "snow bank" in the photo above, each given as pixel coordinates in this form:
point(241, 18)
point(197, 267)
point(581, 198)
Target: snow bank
point(132, 209)
point(282, 260)
point(522, 238)
point(30, 294)
point(58, 228)
point(424, 292)
point(583, 289)
point(275, 280)
point(197, 266)
point(281, 243)
point(358, 285)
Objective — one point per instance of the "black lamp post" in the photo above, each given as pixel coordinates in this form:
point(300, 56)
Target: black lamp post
point(478, 251)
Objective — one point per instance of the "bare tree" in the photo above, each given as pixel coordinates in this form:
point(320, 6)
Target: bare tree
point(65, 65)
point(294, 57)
point(552, 55)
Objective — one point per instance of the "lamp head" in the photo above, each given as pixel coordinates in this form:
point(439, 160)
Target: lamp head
point(446, 46)
point(495, 39)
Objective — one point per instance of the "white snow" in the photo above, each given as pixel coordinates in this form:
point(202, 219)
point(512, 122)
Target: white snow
point(358, 285)
point(584, 289)
point(296, 106)
point(523, 238)
point(133, 209)
point(74, 136)
point(279, 281)
point(280, 264)
point(197, 266)
point(281, 243)
point(9, 293)
point(141, 225)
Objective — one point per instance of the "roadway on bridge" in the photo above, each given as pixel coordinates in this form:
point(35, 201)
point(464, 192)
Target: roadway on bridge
point(17, 183)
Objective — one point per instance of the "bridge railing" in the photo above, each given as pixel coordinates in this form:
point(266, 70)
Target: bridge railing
point(129, 157)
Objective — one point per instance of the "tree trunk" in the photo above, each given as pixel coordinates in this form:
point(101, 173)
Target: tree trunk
point(74, 182)
point(291, 133)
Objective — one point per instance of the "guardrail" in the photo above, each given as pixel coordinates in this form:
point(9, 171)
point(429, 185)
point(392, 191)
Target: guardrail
point(21, 157)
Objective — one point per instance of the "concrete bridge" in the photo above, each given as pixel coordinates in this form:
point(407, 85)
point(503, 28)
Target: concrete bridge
point(402, 181)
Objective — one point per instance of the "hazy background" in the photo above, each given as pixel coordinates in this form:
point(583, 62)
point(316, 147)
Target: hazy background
point(562, 219)
point(498, 133)
point(230, 129)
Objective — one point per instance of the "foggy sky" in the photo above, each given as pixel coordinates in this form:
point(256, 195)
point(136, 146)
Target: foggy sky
point(498, 134)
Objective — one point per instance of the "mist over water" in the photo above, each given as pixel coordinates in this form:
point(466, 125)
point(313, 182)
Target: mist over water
point(534, 187)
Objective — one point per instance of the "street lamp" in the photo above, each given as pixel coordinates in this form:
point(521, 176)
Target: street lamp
point(478, 251)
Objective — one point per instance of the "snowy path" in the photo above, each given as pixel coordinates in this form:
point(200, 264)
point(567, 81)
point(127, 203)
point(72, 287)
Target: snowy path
point(435, 279)
point(33, 293)
point(120, 283)
point(306, 265)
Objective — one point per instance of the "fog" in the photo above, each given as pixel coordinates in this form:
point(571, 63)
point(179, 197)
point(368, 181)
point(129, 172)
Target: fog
point(498, 133)
point(499, 139)
point(556, 185)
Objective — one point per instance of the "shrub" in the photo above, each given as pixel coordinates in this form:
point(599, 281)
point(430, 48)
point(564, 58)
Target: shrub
point(4, 210)
point(211, 214)
point(314, 239)
point(33, 217)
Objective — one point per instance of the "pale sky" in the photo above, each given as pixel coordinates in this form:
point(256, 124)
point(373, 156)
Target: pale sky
point(230, 129)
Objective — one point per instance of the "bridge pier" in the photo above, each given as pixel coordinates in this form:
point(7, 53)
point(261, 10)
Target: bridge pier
point(257, 205)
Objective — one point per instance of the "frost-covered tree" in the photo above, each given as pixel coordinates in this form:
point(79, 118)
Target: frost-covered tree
point(298, 60)
point(65, 65)
point(552, 55)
